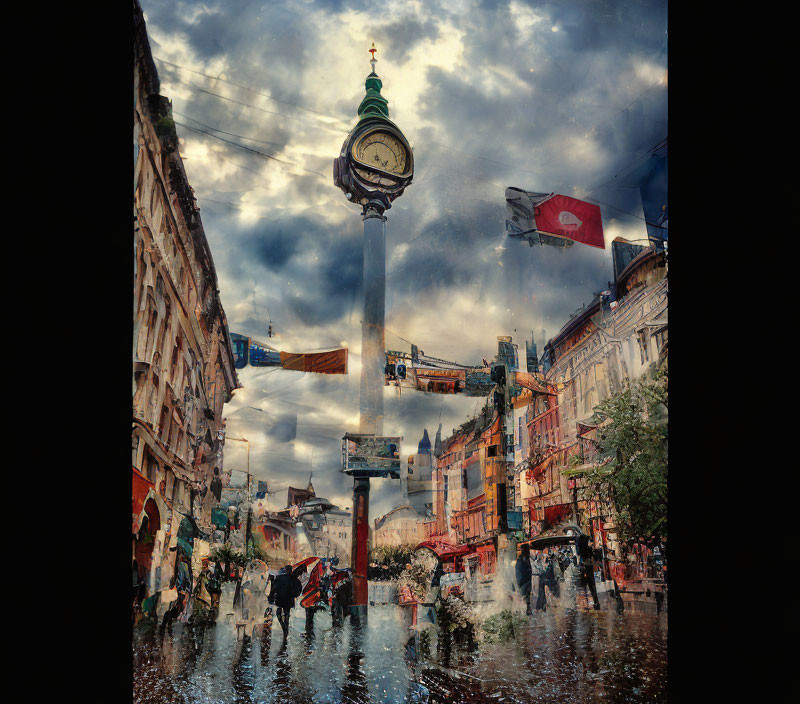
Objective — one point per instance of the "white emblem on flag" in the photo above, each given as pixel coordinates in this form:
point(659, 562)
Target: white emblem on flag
point(569, 220)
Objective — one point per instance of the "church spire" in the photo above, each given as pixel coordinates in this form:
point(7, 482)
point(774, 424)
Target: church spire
point(424, 446)
point(437, 443)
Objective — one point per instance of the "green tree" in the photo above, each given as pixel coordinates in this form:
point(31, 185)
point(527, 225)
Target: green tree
point(632, 456)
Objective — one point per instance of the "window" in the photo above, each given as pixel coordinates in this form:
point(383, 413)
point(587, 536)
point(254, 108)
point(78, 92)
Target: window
point(163, 423)
point(176, 353)
point(644, 344)
point(151, 331)
point(151, 467)
point(491, 451)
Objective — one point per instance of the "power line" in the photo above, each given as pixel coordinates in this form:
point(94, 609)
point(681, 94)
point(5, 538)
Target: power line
point(251, 90)
point(248, 105)
point(647, 222)
point(238, 102)
point(648, 151)
point(250, 149)
point(236, 144)
point(232, 134)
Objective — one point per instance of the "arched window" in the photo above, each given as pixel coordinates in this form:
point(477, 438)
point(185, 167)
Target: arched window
point(164, 325)
point(175, 364)
point(149, 330)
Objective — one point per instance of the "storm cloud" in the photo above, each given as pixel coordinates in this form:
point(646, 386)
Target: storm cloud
point(547, 96)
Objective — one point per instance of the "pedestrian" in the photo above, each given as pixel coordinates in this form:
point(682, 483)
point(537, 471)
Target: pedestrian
point(538, 571)
point(285, 589)
point(550, 579)
point(174, 609)
point(586, 553)
point(342, 596)
point(215, 590)
point(523, 574)
point(201, 609)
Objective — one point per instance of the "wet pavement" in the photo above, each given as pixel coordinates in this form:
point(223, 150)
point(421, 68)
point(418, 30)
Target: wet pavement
point(562, 655)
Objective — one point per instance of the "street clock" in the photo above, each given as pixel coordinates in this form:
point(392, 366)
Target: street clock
point(376, 162)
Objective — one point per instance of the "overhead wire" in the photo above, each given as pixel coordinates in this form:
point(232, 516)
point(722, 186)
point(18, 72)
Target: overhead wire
point(232, 134)
point(250, 149)
point(247, 88)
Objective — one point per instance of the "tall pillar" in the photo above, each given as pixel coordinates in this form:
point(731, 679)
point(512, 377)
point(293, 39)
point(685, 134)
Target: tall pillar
point(373, 357)
point(373, 360)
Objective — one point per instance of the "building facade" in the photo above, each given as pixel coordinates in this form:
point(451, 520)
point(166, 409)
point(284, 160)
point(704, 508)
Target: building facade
point(592, 357)
point(402, 526)
point(515, 471)
point(183, 369)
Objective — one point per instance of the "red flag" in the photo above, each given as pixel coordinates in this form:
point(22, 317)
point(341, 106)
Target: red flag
point(333, 362)
point(571, 218)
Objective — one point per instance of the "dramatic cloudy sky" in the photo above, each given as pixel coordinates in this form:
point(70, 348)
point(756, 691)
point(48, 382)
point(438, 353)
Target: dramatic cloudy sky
point(548, 96)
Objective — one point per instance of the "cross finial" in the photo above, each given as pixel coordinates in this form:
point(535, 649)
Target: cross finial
point(373, 60)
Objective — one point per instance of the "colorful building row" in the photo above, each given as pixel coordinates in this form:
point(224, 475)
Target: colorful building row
point(503, 475)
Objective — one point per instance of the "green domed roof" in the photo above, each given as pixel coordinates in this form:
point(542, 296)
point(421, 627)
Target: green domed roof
point(373, 104)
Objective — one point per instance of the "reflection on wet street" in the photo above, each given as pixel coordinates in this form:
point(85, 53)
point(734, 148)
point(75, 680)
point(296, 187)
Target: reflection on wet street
point(559, 656)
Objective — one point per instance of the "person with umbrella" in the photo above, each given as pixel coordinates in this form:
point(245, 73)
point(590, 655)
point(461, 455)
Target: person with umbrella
point(523, 574)
point(285, 589)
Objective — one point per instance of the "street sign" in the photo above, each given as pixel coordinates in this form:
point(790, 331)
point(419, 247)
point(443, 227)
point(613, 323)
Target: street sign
point(367, 455)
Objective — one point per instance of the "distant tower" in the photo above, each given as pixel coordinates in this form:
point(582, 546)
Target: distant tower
point(424, 447)
point(531, 355)
point(437, 443)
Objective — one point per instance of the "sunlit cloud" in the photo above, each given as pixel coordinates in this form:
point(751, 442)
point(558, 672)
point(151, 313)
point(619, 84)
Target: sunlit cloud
point(526, 94)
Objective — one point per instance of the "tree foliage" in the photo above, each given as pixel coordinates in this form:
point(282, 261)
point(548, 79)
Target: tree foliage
point(387, 562)
point(632, 457)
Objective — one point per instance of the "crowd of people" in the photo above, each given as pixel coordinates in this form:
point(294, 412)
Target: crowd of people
point(545, 571)
point(195, 602)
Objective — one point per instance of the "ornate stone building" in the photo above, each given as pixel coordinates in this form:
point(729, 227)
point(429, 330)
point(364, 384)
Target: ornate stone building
point(591, 358)
point(183, 369)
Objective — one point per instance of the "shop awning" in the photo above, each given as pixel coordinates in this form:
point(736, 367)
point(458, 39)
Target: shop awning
point(143, 489)
point(141, 485)
point(443, 549)
point(555, 514)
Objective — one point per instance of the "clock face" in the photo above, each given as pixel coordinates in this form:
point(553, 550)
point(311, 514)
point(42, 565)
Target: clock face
point(371, 177)
point(383, 151)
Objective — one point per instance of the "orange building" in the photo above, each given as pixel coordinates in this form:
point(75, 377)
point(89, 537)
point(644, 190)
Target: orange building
point(471, 490)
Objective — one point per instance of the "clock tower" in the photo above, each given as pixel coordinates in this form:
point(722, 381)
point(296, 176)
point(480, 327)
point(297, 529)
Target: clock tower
point(376, 163)
point(373, 169)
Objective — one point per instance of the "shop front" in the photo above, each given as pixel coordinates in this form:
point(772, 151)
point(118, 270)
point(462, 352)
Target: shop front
point(148, 530)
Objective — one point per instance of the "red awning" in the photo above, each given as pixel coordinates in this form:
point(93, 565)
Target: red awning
point(555, 514)
point(443, 549)
point(141, 485)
